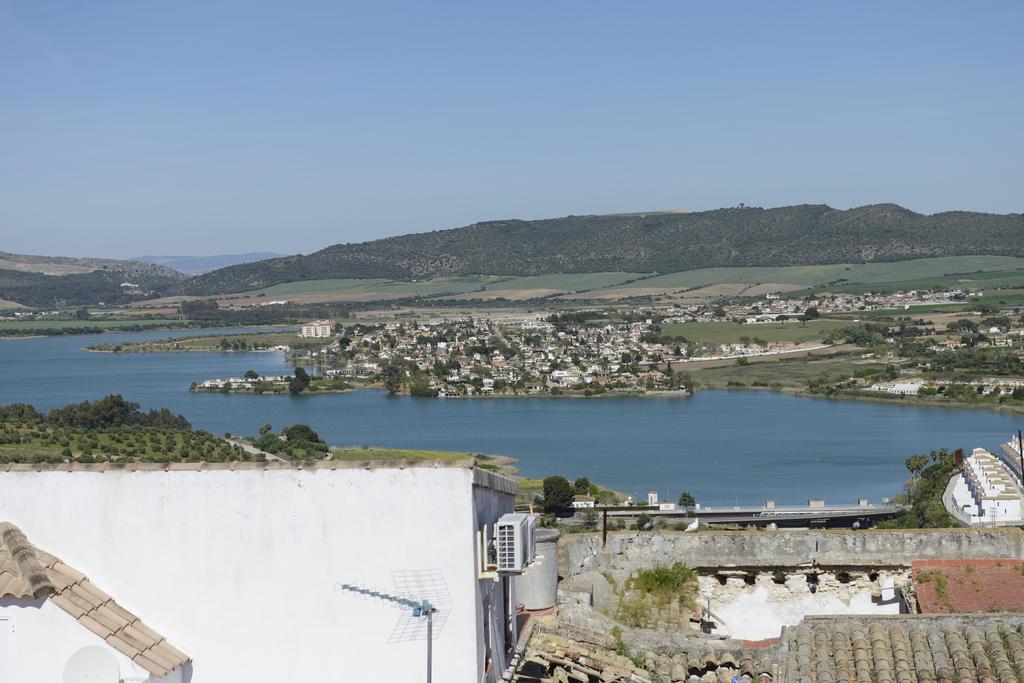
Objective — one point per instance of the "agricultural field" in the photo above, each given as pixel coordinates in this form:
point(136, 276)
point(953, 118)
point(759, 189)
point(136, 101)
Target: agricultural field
point(455, 288)
point(793, 374)
point(323, 291)
point(21, 442)
point(704, 284)
point(109, 430)
point(28, 326)
point(946, 271)
point(731, 333)
point(208, 343)
point(523, 288)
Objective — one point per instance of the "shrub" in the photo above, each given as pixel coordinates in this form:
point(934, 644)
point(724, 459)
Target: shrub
point(643, 520)
point(665, 582)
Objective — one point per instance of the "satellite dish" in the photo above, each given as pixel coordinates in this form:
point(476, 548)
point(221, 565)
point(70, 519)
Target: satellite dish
point(92, 665)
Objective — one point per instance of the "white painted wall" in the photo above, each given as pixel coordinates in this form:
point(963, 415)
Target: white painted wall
point(44, 638)
point(239, 569)
point(762, 610)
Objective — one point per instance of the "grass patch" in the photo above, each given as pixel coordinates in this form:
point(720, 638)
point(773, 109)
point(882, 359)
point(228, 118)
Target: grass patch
point(666, 582)
point(730, 333)
point(941, 585)
point(791, 373)
point(995, 270)
point(357, 454)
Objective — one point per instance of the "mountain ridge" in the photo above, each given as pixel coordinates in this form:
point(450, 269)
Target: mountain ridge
point(72, 265)
point(805, 234)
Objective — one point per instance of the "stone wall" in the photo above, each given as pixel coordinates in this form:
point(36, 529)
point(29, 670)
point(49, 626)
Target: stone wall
point(628, 551)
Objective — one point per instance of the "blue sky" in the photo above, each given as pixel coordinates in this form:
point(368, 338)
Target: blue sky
point(208, 127)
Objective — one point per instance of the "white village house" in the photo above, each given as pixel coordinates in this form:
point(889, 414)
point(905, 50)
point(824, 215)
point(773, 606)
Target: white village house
point(206, 573)
point(580, 502)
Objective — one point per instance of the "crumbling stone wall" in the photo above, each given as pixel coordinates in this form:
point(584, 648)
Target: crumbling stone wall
point(629, 551)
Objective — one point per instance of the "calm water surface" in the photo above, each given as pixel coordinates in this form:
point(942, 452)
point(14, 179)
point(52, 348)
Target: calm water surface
point(725, 447)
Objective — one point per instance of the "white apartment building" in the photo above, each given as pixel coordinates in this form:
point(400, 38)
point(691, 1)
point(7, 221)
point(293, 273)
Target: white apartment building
point(985, 493)
point(318, 329)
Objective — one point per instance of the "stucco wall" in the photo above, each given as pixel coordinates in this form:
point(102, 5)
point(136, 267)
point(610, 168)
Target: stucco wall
point(241, 569)
point(45, 637)
point(631, 550)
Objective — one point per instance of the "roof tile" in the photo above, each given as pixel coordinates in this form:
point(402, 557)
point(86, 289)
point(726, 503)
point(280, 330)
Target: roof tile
point(26, 571)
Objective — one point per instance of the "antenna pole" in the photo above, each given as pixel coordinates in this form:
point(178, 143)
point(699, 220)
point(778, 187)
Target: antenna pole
point(430, 636)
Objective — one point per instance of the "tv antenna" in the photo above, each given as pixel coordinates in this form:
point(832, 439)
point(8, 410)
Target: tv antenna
point(424, 595)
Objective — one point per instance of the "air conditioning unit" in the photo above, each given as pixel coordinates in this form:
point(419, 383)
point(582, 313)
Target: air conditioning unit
point(514, 542)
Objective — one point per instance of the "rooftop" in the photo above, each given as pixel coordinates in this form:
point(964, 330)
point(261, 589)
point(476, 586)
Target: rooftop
point(28, 572)
point(947, 586)
point(481, 477)
point(905, 648)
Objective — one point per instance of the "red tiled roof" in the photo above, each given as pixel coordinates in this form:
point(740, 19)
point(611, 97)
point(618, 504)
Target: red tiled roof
point(946, 586)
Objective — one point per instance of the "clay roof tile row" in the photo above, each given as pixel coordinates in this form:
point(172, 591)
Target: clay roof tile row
point(27, 572)
point(911, 649)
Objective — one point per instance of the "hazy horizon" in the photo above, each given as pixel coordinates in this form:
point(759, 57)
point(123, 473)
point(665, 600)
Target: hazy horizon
point(194, 129)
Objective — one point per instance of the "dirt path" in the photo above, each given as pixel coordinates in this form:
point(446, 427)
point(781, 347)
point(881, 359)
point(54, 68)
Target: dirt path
point(249, 448)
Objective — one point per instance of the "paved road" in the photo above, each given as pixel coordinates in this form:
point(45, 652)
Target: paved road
point(947, 500)
point(249, 448)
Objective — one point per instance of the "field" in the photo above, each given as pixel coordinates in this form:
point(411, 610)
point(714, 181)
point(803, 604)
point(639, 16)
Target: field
point(44, 266)
point(945, 271)
point(207, 343)
point(456, 288)
point(360, 454)
point(704, 284)
point(789, 374)
point(323, 291)
point(22, 441)
point(701, 284)
point(83, 324)
point(730, 333)
point(523, 288)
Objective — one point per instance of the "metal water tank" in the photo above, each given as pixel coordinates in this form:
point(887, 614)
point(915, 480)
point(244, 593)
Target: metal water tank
point(538, 589)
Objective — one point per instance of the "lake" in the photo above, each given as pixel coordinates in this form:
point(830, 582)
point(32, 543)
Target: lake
point(724, 447)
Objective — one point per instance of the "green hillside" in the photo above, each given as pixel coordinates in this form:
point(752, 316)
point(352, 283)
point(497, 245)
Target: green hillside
point(642, 243)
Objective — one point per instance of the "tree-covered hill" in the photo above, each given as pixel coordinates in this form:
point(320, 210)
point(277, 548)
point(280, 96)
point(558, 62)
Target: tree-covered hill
point(79, 289)
point(653, 242)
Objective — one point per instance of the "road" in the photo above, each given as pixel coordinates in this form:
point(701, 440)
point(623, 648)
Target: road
point(249, 448)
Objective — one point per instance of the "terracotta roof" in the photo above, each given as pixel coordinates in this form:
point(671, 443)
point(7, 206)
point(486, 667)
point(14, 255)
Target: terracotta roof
point(946, 586)
point(28, 572)
point(912, 649)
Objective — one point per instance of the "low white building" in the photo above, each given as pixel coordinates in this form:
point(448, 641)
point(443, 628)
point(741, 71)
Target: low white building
point(899, 388)
point(246, 568)
point(985, 492)
point(318, 329)
point(582, 502)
